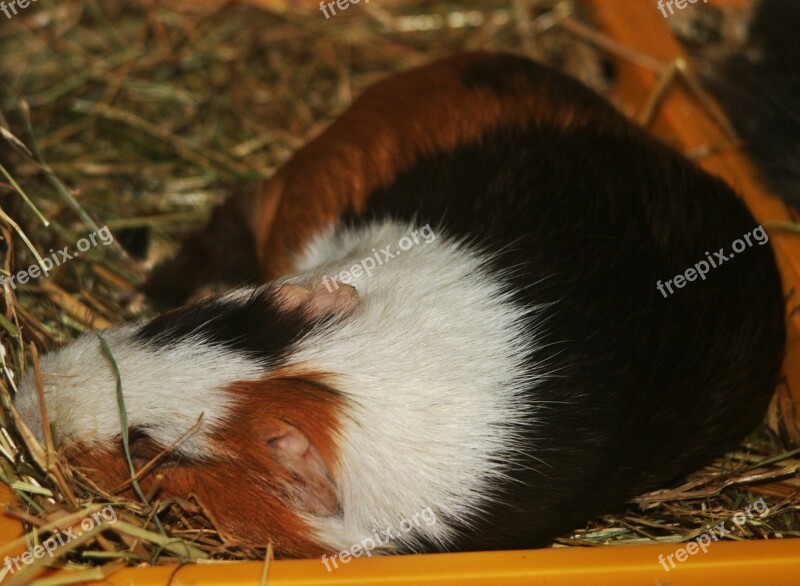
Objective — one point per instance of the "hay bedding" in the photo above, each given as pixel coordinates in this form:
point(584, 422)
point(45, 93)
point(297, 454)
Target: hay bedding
point(139, 116)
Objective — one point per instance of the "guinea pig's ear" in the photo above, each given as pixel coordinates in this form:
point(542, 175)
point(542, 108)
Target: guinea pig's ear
point(312, 489)
point(319, 299)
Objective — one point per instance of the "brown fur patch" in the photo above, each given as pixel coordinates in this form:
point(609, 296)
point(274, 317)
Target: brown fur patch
point(247, 493)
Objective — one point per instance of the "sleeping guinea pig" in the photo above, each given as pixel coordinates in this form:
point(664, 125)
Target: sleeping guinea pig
point(488, 297)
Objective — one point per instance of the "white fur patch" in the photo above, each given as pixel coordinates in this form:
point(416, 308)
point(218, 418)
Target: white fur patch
point(433, 365)
point(165, 389)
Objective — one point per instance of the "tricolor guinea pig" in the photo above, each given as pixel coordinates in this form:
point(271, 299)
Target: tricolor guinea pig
point(485, 296)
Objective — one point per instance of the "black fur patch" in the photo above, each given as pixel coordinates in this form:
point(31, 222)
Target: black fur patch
point(222, 252)
point(645, 389)
point(257, 326)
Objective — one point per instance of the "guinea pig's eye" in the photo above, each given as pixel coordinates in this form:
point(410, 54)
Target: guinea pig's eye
point(144, 450)
point(136, 435)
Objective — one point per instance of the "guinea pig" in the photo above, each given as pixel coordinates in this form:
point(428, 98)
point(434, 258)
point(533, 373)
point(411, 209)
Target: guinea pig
point(491, 298)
